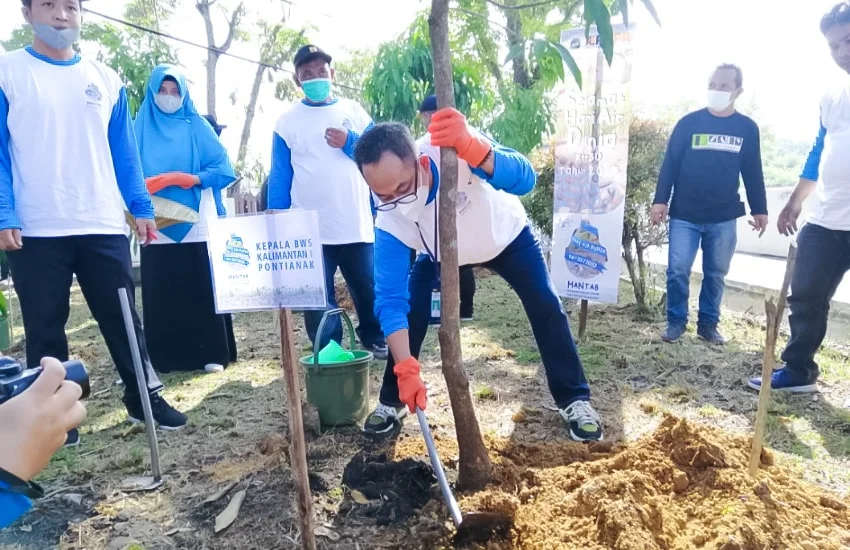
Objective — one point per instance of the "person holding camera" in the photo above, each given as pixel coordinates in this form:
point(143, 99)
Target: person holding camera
point(33, 426)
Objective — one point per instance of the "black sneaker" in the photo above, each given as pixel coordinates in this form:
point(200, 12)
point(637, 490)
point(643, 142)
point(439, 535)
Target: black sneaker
point(165, 416)
point(583, 421)
point(379, 351)
point(710, 334)
point(73, 438)
point(383, 419)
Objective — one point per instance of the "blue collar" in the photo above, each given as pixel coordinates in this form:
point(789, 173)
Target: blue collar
point(308, 104)
point(435, 186)
point(60, 62)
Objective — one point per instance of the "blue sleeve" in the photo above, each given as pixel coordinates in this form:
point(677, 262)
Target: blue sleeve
point(280, 176)
point(512, 171)
point(8, 218)
point(392, 269)
point(126, 160)
point(669, 172)
point(811, 170)
point(12, 506)
point(219, 173)
point(351, 142)
point(753, 174)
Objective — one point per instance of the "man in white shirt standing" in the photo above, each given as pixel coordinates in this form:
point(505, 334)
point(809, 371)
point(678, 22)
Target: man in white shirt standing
point(313, 169)
point(823, 245)
point(68, 165)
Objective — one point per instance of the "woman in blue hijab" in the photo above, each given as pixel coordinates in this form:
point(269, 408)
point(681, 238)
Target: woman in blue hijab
point(184, 161)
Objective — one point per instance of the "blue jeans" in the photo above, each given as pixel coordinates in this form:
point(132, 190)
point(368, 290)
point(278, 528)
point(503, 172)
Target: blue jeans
point(718, 246)
point(521, 264)
point(823, 257)
point(356, 261)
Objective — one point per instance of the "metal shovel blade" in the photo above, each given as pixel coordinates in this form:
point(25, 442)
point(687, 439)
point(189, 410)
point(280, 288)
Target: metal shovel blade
point(141, 483)
point(473, 526)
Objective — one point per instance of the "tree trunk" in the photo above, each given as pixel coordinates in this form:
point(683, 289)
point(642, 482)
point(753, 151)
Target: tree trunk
point(520, 68)
point(474, 467)
point(640, 250)
point(212, 63)
point(629, 258)
point(249, 115)
point(214, 51)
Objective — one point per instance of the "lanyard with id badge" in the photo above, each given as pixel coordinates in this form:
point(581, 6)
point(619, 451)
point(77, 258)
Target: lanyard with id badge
point(436, 301)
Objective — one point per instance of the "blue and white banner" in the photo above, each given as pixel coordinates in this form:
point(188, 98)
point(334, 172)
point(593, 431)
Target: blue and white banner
point(591, 161)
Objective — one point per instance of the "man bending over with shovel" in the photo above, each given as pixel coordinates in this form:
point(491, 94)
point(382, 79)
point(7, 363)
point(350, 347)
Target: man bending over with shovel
point(492, 231)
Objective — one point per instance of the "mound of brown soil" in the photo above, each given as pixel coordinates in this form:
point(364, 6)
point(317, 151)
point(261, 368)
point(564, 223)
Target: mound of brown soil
point(684, 486)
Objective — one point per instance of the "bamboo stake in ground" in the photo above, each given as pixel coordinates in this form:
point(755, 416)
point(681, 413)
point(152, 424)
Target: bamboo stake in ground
point(582, 320)
point(297, 444)
point(774, 313)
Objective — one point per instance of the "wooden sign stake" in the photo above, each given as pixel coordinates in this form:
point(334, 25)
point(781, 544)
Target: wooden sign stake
point(297, 444)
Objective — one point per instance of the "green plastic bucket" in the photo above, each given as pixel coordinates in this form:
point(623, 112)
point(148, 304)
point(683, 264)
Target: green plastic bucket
point(339, 389)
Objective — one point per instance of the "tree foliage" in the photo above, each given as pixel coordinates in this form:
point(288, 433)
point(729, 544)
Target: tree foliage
point(403, 75)
point(647, 145)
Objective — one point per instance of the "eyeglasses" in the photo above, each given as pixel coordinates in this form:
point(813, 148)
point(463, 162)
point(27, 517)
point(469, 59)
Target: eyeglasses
point(404, 199)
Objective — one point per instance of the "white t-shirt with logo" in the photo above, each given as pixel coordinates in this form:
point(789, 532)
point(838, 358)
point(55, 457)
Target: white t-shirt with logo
point(829, 163)
point(64, 180)
point(488, 219)
point(324, 178)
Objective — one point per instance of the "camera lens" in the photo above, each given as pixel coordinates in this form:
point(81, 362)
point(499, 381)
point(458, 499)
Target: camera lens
point(75, 371)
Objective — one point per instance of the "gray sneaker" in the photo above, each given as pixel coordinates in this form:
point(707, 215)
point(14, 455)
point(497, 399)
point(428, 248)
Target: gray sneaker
point(383, 419)
point(583, 421)
point(673, 333)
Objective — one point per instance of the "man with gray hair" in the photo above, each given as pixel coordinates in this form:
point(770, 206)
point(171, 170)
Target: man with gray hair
point(709, 151)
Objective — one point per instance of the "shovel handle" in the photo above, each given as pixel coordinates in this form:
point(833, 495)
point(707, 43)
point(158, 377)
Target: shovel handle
point(437, 466)
point(150, 428)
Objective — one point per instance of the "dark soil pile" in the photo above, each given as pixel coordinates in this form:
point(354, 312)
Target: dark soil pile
point(684, 486)
point(395, 490)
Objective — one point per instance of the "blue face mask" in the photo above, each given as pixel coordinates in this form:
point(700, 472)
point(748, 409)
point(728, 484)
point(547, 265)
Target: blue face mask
point(58, 39)
point(317, 90)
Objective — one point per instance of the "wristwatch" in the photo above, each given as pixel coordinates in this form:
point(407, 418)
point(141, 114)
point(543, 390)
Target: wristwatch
point(29, 489)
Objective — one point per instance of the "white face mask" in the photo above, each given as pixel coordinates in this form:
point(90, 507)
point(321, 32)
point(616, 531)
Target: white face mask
point(719, 101)
point(413, 210)
point(168, 104)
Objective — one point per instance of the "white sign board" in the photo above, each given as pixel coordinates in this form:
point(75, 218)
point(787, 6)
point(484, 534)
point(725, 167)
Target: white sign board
point(267, 261)
point(591, 159)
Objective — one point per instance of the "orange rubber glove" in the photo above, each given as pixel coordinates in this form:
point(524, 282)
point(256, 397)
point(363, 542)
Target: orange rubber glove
point(448, 128)
point(411, 388)
point(160, 182)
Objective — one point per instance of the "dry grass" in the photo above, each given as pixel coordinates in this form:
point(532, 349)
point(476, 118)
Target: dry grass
point(634, 376)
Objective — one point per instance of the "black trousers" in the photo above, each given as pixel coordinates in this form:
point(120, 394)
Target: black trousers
point(467, 287)
point(43, 271)
point(823, 257)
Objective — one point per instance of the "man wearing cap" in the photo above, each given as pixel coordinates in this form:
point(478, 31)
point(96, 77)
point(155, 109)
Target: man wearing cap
point(313, 169)
point(467, 272)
